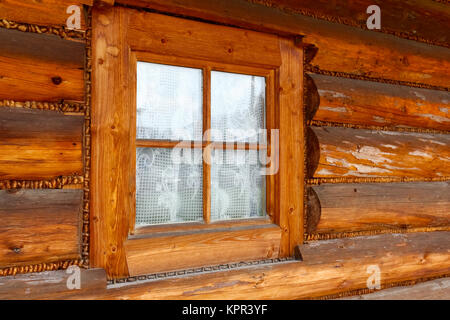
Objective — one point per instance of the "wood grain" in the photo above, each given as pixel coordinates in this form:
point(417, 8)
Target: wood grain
point(380, 206)
point(200, 40)
point(369, 103)
point(43, 12)
point(37, 144)
point(364, 153)
point(196, 249)
point(39, 226)
point(406, 17)
point(112, 177)
point(50, 284)
point(53, 73)
point(341, 48)
point(329, 267)
point(291, 172)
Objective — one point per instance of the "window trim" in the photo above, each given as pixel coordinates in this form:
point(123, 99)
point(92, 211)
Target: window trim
point(120, 32)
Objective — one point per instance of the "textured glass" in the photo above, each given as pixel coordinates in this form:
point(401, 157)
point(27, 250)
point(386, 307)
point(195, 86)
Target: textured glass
point(169, 102)
point(237, 186)
point(237, 106)
point(168, 186)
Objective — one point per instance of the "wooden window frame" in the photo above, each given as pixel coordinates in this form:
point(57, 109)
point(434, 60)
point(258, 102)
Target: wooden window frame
point(123, 36)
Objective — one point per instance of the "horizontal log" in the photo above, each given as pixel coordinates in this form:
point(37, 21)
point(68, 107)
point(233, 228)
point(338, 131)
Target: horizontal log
point(52, 73)
point(328, 267)
point(43, 12)
point(39, 226)
point(438, 289)
point(51, 284)
point(39, 144)
point(377, 104)
point(410, 18)
point(346, 152)
point(200, 40)
point(365, 207)
point(201, 248)
point(341, 48)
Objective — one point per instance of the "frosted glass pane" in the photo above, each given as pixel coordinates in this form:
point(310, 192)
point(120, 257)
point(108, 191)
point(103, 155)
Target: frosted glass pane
point(237, 189)
point(168, 186)
point(169, 102)
point(237, 106)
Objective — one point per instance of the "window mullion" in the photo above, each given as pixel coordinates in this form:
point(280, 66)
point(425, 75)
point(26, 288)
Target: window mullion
point(207, 150)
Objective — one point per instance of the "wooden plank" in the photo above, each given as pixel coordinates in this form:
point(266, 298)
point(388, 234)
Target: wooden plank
point(291, 172)
point(369, 103)
point(200, 40)
point(406, 17)
point(52, 74)
point(341, 48)
point(328, 267)
point(363, 207)
point(39, 226)
point(201, 248)
point(348, 152)
point(43, 12)
point(37, 144)
point(438, 289)
point(50, 284)
point(112, 178)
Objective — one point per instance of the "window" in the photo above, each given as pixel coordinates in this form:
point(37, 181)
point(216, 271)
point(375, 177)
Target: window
point(197, 144)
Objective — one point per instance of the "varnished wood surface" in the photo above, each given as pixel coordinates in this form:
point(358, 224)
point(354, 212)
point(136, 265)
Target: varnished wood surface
point(342, 48)
point(201, 248)
point(39, 226)
point(348, 152)
point(37, 144)
point(377, 104)
point(328, 267)
point(43, 12)
point(379, 206)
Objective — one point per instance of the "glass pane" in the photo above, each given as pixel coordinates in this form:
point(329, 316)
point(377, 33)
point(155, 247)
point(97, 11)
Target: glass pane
point(237, 106)
point(168, 186)
point(238, 189)
point(169, 102)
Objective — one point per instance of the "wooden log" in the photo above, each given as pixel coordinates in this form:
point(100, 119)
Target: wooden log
point(39, 144)
point(378, 104)
point(366, 207)
point(50, 284)
point(329, 267)
point(438, 289)
point(199, 249)
point(348, 152)
point(52, 73)
point(200, 40)
point(341, 48)
point(410, 18)
point(39, 226)
point(43, 12)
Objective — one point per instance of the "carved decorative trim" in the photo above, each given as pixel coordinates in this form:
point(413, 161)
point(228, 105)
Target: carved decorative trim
point(317, 70)
point(54, 183)
point(51, 266)
point(59, 31)
point(318, 123)
point(318, 181)
point(65, 107)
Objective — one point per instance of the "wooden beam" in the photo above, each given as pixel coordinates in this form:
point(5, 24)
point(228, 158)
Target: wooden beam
point(201, 248)
point(39, 226)
point(38, 144)
point(377, 55)
point(365, 207)
point(377, 104)
point(329, 267)
point(348, 152)
point(50, 284)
